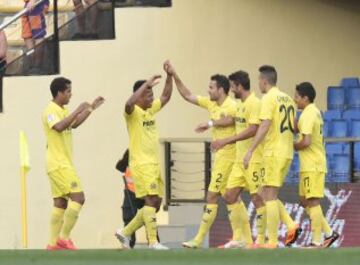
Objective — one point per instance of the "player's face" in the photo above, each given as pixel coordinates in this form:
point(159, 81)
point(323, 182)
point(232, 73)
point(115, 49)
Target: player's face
point(300, 101)
point(236, 89)
point(65, 95)
point(262, 84)
point(214, 91)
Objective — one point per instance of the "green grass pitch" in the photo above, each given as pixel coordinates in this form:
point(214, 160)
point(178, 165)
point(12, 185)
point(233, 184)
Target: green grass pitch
point(341, 256)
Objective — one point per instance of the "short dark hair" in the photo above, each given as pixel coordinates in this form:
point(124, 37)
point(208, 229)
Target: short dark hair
point(306, 89)
point(269, 72)
point(241, 78)
point(221, 81)
point(138, 84)
point(59, 84)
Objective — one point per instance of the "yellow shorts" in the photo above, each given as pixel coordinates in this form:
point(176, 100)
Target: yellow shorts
point(63, 182)
point(276, 169)
point(312, 184)
point(147, 180)
point(250, 179)
point(219, 175)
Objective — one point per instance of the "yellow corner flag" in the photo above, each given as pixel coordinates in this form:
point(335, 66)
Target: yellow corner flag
point(24, 169)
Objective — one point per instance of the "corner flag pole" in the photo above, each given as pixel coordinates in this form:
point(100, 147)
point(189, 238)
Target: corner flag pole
point(24, 169)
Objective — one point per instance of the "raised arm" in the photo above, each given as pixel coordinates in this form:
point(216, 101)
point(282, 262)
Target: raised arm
point(166, 94)
point(183, 90)
point(130, 103)
point(259, 137)
point(69, 120)
point(81, 117)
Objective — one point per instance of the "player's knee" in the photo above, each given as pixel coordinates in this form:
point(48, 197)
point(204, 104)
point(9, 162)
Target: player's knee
point(212, 198)
point(257, 200)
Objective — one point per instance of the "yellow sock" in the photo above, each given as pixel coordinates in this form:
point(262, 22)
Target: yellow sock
point(245, 224)
point(285, 217)
point(56, 221)
point(316, 219)
point(135, 223)
point(235, 219)
point(324, 223)
point(149, 217)
point(272, 220)
point(70, 217)
point(325, 226)
point(206, 222)
point(260, 225)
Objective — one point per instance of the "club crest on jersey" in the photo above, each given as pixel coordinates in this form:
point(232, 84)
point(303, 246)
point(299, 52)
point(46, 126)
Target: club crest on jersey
point(50, 118)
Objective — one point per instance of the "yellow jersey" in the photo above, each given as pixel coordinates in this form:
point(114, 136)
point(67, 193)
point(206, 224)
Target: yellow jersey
point(247, 113)
point(59, 145)
point(312, 158)
point(143, 134)
point(227, 108)
point(279, 108)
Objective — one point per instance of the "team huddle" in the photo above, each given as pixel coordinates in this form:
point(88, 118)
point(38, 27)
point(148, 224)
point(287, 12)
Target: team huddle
point(253, 141)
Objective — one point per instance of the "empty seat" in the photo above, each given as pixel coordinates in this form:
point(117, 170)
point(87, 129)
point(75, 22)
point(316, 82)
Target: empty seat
point(339, 128)
point(341, 168)
point(353, 97)
point(351, 114)
point(293, 174)
point(357, 157)
point(326, 128)
point(332, 114)
point(336, 98)
point(350, 82)
point(355, 128)
point(337, 148)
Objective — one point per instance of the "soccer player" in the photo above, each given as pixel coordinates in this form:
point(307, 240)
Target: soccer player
point(66, 189)
point(140, 110)
point(277, 130)
point(246, 123)
point(312, 163)
point(219, 104)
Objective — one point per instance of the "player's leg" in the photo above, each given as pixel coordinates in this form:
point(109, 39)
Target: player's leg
point(76, 200)
point(93, 12)
point(217, 186)
point(237, 211)
point(80, 17)
point(56, 221)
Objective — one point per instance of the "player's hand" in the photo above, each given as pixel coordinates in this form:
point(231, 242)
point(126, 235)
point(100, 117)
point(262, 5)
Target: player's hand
point(97, 102)
point(217, 144)
point(202, 127)
point(153, 81)
point(169, 68)
point(247, 159)
point(166, 67)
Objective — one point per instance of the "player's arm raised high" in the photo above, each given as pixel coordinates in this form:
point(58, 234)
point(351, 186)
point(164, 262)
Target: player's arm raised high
point(183, 90)
point(166, 94)
point(130, 103)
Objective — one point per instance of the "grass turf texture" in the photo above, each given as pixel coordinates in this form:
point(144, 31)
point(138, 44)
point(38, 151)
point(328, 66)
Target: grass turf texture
point(342, 256)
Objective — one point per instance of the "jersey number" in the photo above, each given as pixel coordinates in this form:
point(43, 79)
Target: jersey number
point(289, 114)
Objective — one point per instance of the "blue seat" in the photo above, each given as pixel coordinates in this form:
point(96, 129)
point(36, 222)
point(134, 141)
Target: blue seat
point(337, 148)
point(336, 98)
point(293, 174)
point(326, 128)
point(355, 128)
point(341, 168)
point(351, 114)
point(350, 82)
point(339, 128)
point(353, 97)
point(357, 157)
point(332, 114)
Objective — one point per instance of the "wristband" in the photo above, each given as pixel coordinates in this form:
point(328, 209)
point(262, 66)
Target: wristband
point(210, 123)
